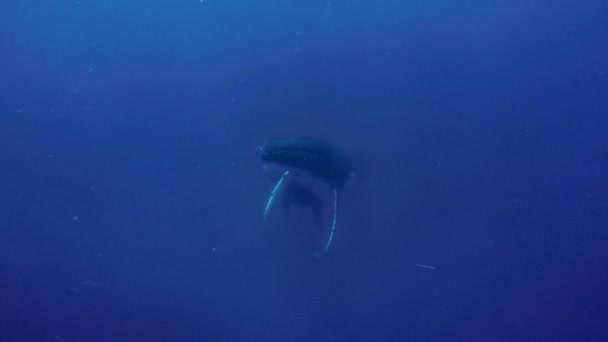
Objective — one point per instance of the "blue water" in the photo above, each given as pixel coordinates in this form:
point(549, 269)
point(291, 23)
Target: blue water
point(132, 196)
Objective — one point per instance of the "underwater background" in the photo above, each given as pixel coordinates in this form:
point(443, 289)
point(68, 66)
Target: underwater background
point(132, 195)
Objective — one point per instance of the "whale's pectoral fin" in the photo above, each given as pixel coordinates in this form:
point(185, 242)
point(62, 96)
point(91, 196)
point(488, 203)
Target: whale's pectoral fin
point(274, 193)
point(333, 223)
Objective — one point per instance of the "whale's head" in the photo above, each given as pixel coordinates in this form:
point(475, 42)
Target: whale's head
point(312, 154)
point(299, 152)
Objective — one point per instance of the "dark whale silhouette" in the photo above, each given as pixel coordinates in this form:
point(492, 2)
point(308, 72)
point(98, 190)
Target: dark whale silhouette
point(316, 155)
point(319, 158)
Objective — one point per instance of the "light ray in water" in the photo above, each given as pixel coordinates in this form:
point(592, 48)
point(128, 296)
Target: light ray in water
point(274, 193)
point(333, 224)
point(426, 266)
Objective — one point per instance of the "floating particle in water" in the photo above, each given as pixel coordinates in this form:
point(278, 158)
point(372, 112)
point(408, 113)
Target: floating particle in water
point(426, 266)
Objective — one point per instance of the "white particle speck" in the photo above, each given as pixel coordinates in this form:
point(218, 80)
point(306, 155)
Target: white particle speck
point(426, 266)
point(75, 218)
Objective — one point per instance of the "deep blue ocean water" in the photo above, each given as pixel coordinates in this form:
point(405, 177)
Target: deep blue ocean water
point(132, 195)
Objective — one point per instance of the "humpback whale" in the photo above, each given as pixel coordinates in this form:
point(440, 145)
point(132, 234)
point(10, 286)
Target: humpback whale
point(316, 156)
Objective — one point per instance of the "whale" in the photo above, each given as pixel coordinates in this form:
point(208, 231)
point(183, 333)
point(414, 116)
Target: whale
point(315, 156)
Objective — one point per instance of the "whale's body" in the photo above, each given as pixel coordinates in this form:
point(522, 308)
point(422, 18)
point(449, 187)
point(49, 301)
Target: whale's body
point(296, 193)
